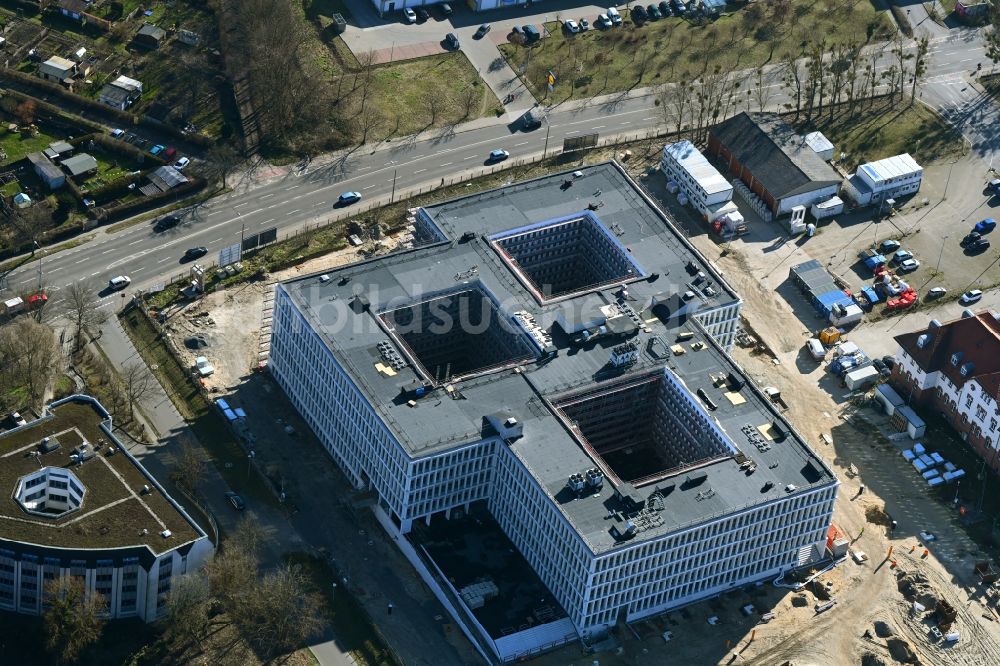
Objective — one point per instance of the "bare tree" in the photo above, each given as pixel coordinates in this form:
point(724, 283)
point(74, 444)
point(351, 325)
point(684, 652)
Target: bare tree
point(189, 471)
point(793, 81)
point(919, 65)
point(29, 357)
point(471, 98)
point(83, 312)
point(187, 620)
point(369, 120)
point(136, 383)
point(282, 613)
point(761, 89)
point(72, 618)
point(902, 55)
point(433, 103)
point(221, 160)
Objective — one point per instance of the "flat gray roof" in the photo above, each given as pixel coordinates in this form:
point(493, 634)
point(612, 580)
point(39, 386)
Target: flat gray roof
point(446, 419)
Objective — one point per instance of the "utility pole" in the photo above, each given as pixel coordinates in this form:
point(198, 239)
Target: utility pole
point(243, 230)
point(40, 255)
point(547, 128)
point(938, 267)
point(392, 196)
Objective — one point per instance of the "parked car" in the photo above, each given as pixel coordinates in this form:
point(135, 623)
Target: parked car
point(498, 155)
point(902, 255)
point(119, 282)
point(971, 238)
point(978, 245)
point(409, 15)
point(603, 21)
point(995, 186)
point(887, 246)
point(530, 121)
point(451, 41)
point(236, 501)
point(665, 8)
point(936, 292)
point(166, 222)
point(483, 29)
point(890, 362)
point(584, 25)
point(985, 226)
point(422, 14)
point(653, 12)
point(679, 7)
point(571, 26)
point(156, 150)
point(639, 14)
point(169, 154)
point(531, 33)
point(117, 133)
point(878, 364)
point(614, 16)
point(971, 296)
point(195, 252)
point(446, 10)
point(348, 198)
point(181, 163)
point(909, 265)
point(203, 367)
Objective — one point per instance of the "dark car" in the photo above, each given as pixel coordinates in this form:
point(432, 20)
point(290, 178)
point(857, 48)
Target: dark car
point(653, 12)
point(639, 14)
point(167, 222)
point(451, 41)
point(530, 121)
point(889, 362)
point(483, 29)
point(971, 238)
point(978, 245)
point(236, 501)
point(679, 7)
point(446, 10)
point(422, 14)
point(531, 33)
point(878, 364)
point(195, 252)
point(986, 226)
point(665, 8)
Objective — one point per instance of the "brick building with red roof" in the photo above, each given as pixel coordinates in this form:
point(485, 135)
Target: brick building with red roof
point(954, 368)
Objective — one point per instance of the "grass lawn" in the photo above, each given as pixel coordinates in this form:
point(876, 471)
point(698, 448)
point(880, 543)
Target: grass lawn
point(888, 129)
point(350, 623)
point(18, 145)
point(673, 50)
point(204, 419)
point(323, 10)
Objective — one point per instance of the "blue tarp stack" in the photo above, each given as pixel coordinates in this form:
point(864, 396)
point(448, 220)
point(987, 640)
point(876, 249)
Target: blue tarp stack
point(932, 466)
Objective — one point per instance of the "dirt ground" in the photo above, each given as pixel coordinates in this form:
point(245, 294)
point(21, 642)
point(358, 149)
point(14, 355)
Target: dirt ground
point(757, 267)
point(229, 320)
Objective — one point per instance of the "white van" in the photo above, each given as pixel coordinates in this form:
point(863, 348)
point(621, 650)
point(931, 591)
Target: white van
point(616, 18)
point(816, 348)
point(119, 282)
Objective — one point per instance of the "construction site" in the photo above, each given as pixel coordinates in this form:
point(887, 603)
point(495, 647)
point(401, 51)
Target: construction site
point(893, 596)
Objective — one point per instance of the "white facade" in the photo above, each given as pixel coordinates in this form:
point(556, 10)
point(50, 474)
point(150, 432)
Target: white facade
point(885, 179)
point(705, 187)
point(595, 588)
point(807, 199)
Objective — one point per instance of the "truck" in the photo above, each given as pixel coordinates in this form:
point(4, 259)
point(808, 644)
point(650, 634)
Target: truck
point(13, 305)
point(861, 379)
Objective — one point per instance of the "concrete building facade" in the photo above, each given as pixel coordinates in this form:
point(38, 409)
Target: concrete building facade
point(628, 495)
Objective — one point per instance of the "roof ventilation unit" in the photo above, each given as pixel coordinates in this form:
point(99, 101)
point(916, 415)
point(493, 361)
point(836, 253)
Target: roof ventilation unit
point(934, 324)
point(576, 483)
point(923, 340)
point(966, 313)
point(324, 278)
point(595, 479)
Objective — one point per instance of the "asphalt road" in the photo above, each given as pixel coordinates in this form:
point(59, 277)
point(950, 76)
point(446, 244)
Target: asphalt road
point(297, 196)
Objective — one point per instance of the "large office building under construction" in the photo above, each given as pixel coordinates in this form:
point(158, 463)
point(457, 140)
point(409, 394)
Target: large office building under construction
point(553, 355)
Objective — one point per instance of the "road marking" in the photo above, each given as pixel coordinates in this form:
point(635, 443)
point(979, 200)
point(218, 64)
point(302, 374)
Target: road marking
point(79, 262)
point(108, 250)
point(136, 242)
point(650, 118)
point(293, 211)
point(293, 187)
point(164, 259)
point(253, 212)
point(626, 122)
point(420, 171)
point(520, 144)
point(470, 157)
point(368, 188)
point(447, 164)
point(215, 241)
point(94, 273)
point(271, 220)
point(264, 196)
point(138, 268)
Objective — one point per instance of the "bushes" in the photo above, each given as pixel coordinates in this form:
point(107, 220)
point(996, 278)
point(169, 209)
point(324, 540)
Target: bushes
point(114, 213)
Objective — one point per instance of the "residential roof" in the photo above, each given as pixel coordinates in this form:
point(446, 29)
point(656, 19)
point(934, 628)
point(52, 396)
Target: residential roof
point(548, 448)
point(166, 177)
point(115, 510)
point(818, 142)
point(61, 147)
point(57, 62)
point(41, 163)
point(80, 164)
point(691, 160)
point(891, 167)
point(126, 83)
point(975, 338)
point(778, 157)
point(113, 94)
point(152, 31)
point(73, 5)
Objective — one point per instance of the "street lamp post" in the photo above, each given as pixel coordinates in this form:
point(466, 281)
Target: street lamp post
point(941, 252)
point(333, 591)
point(40, 255)
point(250, 457)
